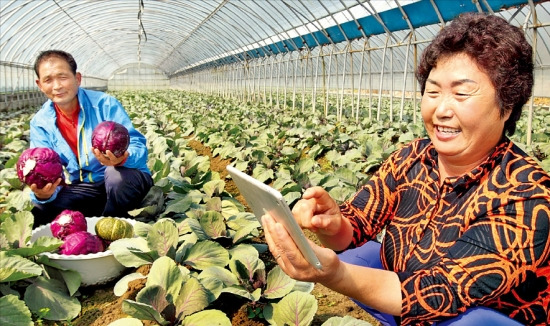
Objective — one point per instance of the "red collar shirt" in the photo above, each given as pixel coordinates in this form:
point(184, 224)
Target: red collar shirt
point(68, 127)
point(480, 239)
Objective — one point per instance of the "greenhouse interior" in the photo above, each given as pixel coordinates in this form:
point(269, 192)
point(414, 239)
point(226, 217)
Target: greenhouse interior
point(296, 93)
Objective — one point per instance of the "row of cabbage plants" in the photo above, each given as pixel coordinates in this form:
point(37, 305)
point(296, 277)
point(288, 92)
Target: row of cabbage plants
point(205, 249)
point(204, 246)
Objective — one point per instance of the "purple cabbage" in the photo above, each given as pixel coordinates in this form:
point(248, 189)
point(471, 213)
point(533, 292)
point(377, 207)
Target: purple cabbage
point(81, 243)
point(39, 165)
point(110, 135)
point(68, 222)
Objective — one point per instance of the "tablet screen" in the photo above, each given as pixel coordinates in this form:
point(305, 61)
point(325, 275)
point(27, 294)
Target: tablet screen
point(263, 199)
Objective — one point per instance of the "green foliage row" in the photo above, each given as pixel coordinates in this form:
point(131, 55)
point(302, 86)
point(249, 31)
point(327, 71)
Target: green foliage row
point(199, 240)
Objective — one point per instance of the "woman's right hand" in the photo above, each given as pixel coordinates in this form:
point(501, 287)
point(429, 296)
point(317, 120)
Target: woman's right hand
point(318, 212)
point(46, 192)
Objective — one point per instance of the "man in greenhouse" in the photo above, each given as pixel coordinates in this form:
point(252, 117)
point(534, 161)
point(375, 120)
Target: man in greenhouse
point(100, 184)
point(466, 212)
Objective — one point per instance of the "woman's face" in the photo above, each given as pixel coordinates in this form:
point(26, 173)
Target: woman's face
point(460, 112)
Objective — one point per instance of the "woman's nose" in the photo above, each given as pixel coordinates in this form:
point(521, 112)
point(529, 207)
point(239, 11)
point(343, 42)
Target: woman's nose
point(444, 107)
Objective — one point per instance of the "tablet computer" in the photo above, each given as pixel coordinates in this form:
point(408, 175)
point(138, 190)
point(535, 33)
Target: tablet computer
point(263, 199)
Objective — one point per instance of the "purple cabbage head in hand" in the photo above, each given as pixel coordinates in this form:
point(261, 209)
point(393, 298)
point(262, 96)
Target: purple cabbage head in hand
point(110, 135)
point(39, 165)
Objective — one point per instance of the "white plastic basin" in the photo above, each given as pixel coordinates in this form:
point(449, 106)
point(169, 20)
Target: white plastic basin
point(95, 269)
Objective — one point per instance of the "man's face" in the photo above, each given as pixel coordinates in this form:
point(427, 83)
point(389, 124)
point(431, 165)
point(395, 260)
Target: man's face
point(58, 82)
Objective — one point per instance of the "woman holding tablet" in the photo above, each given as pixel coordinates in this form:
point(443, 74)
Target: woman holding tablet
point(466, 211)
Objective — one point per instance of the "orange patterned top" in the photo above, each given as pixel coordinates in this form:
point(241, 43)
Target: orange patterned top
point(481, 239)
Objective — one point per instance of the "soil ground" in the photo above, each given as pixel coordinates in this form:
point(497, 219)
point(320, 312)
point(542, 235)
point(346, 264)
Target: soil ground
point(100, 306)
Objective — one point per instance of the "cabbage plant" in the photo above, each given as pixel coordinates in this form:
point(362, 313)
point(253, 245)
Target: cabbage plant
point(190, 271)
point(202, 245)
point(29, 282)
point(197, 226)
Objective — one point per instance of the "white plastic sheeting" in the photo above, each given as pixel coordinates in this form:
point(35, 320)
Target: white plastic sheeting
point(174, 36)
point(105, 35)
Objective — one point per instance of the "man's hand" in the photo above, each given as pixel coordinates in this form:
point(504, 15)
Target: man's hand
point(46, 192)
point(109, 159)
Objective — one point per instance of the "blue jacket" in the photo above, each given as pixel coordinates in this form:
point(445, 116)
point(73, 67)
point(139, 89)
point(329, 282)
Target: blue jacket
point(95, 107)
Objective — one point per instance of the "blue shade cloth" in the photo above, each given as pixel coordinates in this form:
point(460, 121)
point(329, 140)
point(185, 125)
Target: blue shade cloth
point(420, 13)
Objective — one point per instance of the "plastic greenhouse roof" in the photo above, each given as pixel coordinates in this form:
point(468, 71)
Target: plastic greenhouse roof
point(178, 36)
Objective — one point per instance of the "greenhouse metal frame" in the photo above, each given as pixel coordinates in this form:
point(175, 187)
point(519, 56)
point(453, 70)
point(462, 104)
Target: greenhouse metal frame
point(318, 99)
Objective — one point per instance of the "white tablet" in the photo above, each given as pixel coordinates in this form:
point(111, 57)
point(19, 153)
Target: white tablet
point(264, 199)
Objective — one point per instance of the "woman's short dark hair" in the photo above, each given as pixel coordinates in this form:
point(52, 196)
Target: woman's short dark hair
point(44, 55)
point(500, 49)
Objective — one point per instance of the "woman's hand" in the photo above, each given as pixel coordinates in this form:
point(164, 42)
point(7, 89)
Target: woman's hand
point(378, 288)
point(320, 213)
point(46, 192)
point(290, 258)
point(109, 159)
